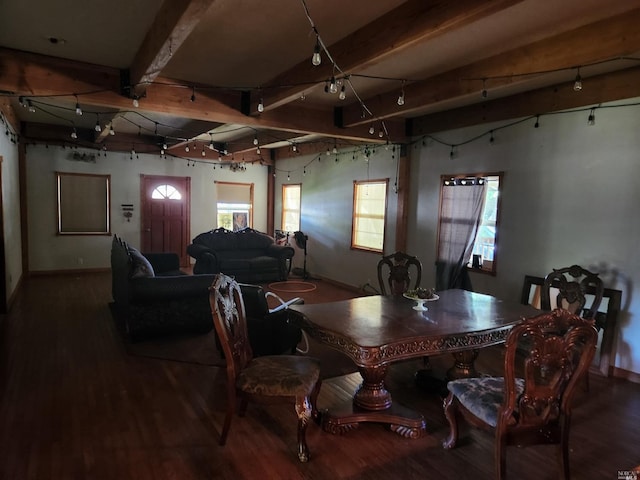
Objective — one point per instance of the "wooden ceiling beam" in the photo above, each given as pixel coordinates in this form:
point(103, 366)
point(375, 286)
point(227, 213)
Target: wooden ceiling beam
point(597, 42)
point(38, 75)
point(412, 22)
point(173, 23)
point(597, 89)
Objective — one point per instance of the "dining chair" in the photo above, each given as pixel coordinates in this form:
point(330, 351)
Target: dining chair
point(268, 378)
point(546, 355)
point(398, 267)
point(569, 285)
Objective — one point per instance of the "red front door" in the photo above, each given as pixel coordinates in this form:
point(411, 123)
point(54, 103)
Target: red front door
point(166, 215)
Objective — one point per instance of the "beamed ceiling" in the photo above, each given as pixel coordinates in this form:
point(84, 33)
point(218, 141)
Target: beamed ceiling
point(199, 69)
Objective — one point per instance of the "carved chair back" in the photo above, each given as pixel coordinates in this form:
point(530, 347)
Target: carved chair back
point(399, 266)
point(572, 284)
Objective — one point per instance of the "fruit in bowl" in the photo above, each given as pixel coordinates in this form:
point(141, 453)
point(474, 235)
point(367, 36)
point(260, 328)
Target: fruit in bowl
point(423, 293)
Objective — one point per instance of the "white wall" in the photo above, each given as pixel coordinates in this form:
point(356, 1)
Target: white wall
point(48, 251)
point(11, 212)
point(570, 196)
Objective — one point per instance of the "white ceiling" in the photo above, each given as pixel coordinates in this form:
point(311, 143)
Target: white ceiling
point(263, 47)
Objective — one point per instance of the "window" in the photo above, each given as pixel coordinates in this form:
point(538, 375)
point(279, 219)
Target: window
point(468, 225)
point(235, 205)
point(83, 204)
point(166, 192)
point(485, 242)
point(291, 207)
point(369, 210)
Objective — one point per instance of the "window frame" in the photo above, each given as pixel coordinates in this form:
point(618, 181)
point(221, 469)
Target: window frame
point(285, 210)
point(489, 267)
point(354, 218)
point(72, 209)
point(234, 208)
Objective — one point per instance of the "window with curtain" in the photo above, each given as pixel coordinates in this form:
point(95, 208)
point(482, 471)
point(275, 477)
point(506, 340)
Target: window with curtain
point(369, 214)
point(467, 232)
point(83, 204)
point(234, 205)
point(291, 201)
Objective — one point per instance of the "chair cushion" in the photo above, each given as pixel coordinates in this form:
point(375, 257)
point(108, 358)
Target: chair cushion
point(482, 396)
point(285, 375)
point(140, 265)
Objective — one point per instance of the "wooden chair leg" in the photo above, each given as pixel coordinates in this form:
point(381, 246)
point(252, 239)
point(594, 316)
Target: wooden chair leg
point(315, 414)
point(231, 407)
point(303, 410)
point(501, 459)
point(563, 448)
point(450, 412)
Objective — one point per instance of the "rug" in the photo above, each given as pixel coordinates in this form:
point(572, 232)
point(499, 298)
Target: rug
point(292, 286)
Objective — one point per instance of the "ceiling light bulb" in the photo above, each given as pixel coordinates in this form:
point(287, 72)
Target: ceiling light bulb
point(162, 151)
point(78, 109)
point(401, 98)
point(577, 85)
point(294, 148)
point(258, 151)
point(203, 152)
point(371, 130)
point(30, 107)
point(343, 93)
point(381, 133)
point(186, 148)
point(316, 59)
point(255, 140)
point(111, 130)
point(98, 128)
point(333, 87)
point(592, 117)
point(74, 134)
point(261, 106)
point(136, 103)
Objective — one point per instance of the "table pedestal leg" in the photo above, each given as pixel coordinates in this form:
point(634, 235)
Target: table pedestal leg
point(372, 403)
point(463, 366)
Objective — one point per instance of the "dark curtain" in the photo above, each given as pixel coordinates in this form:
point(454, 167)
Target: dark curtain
point(460, 215)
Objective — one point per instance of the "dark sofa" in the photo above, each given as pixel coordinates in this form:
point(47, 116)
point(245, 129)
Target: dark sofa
point(153, 297)
point(247, 255)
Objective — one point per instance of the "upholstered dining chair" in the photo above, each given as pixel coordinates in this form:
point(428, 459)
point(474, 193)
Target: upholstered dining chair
point(272, 377)
point(531, 403)
point(398, 267)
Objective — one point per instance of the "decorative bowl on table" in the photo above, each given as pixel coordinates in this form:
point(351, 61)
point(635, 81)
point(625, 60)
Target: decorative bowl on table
point(421, 296)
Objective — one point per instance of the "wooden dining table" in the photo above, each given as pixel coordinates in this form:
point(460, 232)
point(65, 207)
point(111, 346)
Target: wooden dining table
point(375, 331)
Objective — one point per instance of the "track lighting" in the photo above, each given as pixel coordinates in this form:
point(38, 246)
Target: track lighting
point(577, 84)
point(316, 59)
point(261, 105)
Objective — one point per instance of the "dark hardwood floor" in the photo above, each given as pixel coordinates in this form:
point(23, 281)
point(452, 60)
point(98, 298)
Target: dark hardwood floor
point(75, 405)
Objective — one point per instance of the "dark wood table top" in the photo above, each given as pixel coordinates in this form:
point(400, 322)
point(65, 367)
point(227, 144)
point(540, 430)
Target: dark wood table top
point(376, 330)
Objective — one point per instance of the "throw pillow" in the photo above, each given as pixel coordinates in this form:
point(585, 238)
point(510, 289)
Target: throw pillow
point(140, 266)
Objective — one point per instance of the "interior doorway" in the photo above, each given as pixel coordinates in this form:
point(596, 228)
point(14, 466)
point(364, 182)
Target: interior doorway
point(166, 214)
